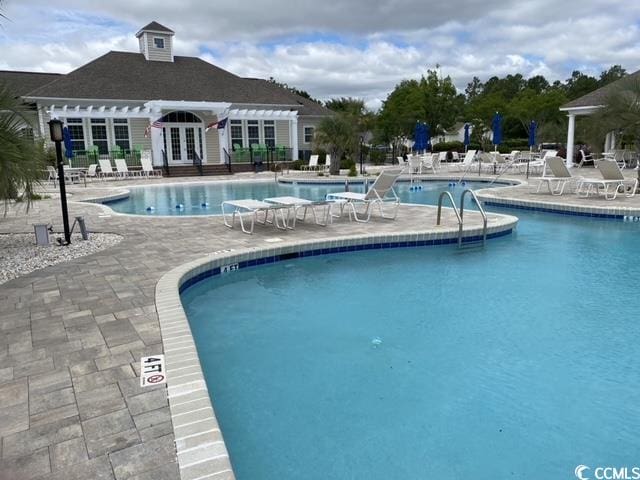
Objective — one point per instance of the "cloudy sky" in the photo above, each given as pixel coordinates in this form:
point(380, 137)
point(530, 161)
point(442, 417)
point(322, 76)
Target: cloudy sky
point(358, 48)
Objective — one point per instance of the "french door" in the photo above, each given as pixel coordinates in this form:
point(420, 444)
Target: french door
point(183, 143)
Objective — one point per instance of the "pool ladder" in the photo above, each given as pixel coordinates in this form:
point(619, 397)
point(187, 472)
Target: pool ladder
point(460, 213)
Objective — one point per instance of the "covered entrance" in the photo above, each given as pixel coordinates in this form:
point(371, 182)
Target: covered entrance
point(183, 136)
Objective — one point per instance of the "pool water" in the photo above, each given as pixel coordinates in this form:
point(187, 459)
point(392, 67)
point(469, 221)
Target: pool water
point(519, 360)
point(205, 199)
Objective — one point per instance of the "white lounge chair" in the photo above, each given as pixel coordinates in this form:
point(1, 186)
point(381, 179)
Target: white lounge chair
point(611, 183)
point(296, 204)
point(327, 164)
point(466, 163)
point(428, 162)
point(541, 164)
point(402, 163)
point(312, 165)
point(253, 209)
point(147, 166)
point(381, 192)
point(92, 171)
point(415, 164)
point(560, 177)
point(105, 168)
point(123, 170)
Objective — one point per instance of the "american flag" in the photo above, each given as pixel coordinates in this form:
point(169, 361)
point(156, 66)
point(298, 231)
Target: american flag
point(155, 124)
point(220, 124)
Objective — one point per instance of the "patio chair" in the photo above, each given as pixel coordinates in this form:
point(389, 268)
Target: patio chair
point(402, 163)
point(147, 166)
point(381, 192)
point(116, 152)
point(429, 161)
point(560, 177)
point(619, 157)
point(240, 153)
point(71, 175)
point(92, 171)
point(541, 164)
point(466, 162)
point(253, 208)
point(327, 164)
point(415, 164)
point(585, 158)
point(611, 183)
point(105, 168)
point(122, 169)
point(312, 165)
point(53, 175)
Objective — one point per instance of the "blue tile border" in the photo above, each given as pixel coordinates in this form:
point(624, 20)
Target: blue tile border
point(559, 210)
point(329, 251)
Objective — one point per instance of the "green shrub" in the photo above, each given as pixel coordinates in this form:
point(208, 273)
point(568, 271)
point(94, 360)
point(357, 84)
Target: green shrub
point(352, 170)
point(449, 147)
point(347, 164)
point(297, 164)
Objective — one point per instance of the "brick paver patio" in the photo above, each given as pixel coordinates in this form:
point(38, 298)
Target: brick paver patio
point(71, 337)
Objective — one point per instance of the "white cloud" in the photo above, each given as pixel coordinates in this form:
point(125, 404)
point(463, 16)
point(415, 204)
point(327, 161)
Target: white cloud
point(359, 48)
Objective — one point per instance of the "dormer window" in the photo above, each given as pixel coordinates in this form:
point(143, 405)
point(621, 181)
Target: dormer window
point(158, 42)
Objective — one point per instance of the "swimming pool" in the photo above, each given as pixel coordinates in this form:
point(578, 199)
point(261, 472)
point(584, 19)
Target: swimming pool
point(515, 361)
point(205, 198)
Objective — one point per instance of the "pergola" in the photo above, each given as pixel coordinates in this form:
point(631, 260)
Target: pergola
point(587, 105)
point(153, 110)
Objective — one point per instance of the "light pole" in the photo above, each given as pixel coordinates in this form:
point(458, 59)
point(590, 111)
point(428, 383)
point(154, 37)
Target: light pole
point(57, 136)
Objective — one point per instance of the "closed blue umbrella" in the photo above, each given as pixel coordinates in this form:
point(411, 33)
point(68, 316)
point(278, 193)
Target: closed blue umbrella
point(496, 126)
point(68, 144)
point(419, 137)
point(532, 134)
point(467, 139)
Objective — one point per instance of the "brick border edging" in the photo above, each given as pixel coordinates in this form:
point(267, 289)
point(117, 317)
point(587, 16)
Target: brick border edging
point(200, 446)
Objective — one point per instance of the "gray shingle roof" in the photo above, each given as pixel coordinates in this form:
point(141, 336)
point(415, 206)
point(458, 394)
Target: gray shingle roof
point(22, 83)
point(155, 27)
point(128, 76)
point(598, 97)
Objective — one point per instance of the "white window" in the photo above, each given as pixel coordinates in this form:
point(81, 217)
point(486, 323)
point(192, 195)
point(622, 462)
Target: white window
point(253, 132)
point(99, 135)
point(308, 134)
point(121, 133)
point(237, 139)
point(269, 130)
point(76, 131)
point(158, 42)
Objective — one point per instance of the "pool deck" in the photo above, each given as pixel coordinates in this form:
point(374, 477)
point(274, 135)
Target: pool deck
point(71, 335)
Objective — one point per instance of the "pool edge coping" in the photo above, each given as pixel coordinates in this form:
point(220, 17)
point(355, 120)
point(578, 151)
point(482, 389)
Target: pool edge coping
point(200, 446)
point(123, 192)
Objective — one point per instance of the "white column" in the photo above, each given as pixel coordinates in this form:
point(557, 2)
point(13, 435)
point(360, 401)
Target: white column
point(570, 139)
point(223, 140)
point(157, 145)
point(294, 138)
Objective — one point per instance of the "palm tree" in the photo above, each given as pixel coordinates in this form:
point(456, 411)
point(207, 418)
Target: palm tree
point(338, 135)
point(21, 159)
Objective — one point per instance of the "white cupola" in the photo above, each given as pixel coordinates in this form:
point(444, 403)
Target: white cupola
point(156, 42)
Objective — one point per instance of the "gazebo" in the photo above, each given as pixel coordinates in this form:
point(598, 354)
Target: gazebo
point(586, 105)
